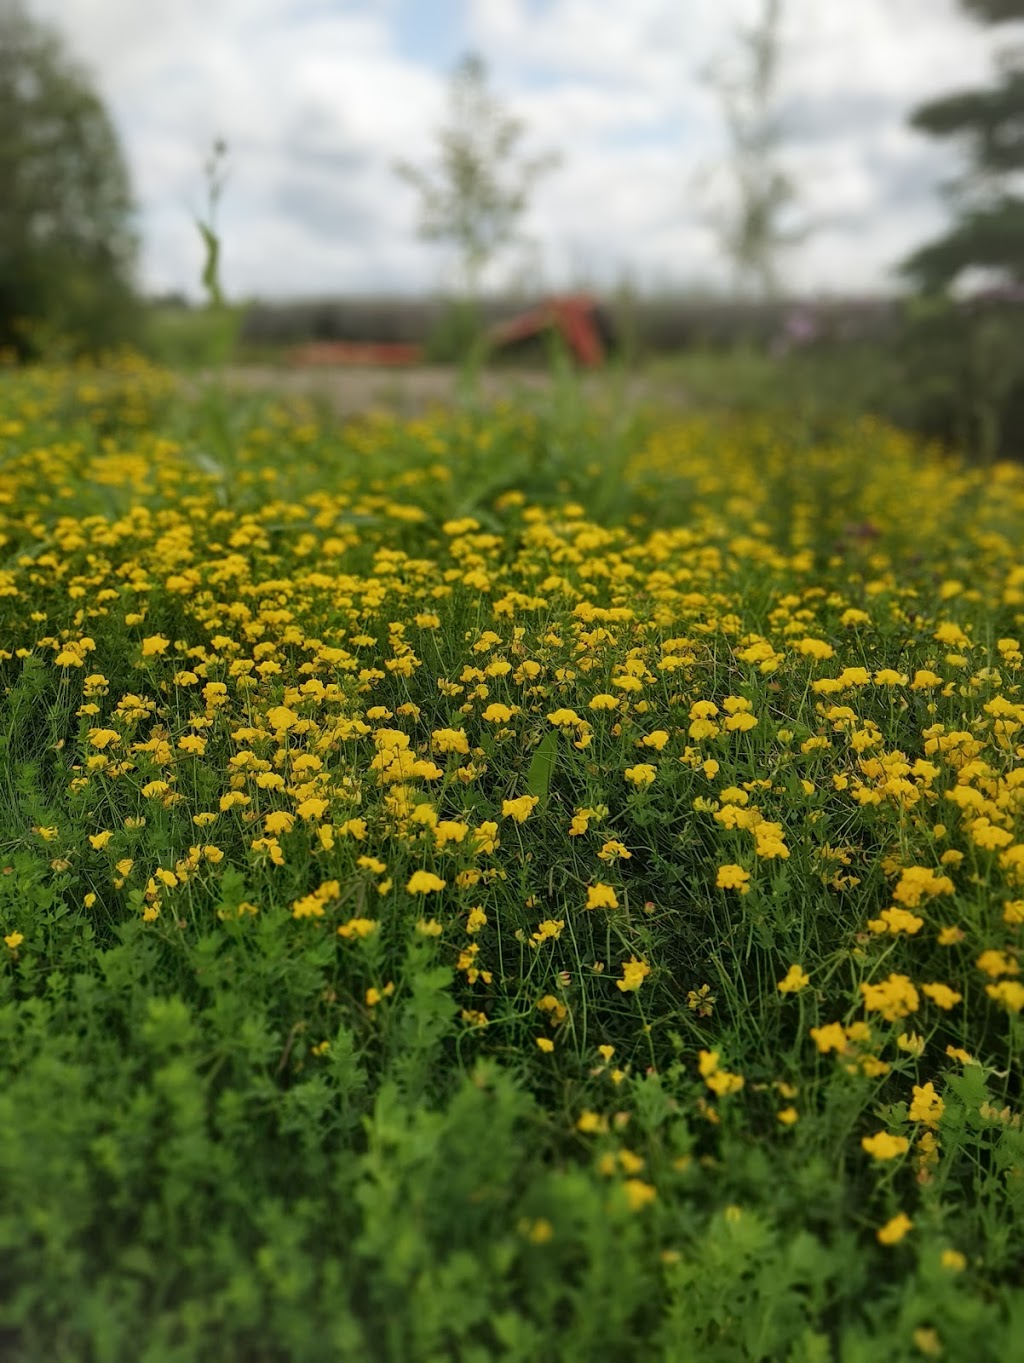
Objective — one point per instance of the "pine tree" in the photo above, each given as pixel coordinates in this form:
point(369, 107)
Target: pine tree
point(989, 229)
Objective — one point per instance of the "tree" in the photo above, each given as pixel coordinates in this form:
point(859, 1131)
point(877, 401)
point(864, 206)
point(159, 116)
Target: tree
point(963, 366)
point(476, 195)
point(762, 193)
point(988, 232)
point(67, 248)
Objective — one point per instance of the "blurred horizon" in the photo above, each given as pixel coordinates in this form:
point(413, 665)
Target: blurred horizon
point(317, 99)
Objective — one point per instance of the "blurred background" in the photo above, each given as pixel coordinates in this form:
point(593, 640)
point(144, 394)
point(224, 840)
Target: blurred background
point(750, 202)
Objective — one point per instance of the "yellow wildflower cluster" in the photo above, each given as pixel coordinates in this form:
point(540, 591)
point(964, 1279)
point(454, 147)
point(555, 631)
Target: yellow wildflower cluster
point(581, 761)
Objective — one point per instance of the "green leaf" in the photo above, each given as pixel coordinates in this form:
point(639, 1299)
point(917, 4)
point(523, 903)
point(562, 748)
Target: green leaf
point(538, 778)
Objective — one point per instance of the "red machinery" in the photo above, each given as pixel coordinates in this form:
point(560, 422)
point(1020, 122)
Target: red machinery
point(572, 316)
point(356, 352)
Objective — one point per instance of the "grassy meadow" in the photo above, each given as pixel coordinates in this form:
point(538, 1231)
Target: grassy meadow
point(538, 885)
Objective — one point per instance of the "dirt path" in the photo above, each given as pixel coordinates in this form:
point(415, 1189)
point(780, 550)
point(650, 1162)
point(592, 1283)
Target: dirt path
point(410, 392)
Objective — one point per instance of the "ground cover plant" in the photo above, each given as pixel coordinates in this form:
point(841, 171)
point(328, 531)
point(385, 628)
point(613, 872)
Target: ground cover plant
point(514, 886)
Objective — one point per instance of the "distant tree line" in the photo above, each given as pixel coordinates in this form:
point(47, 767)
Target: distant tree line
point(68, 246)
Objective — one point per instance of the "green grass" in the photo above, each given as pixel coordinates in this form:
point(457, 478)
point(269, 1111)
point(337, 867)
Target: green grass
point(317, 744)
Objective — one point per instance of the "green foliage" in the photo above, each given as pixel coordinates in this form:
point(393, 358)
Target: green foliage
point(458, 337)
point(67, 247)
point(956, 374)
point(230, 1130)
point(988, 231)
point(542, 767)
point(996, 11)
point(188, 338)
point(215, 175)
point(988, 238)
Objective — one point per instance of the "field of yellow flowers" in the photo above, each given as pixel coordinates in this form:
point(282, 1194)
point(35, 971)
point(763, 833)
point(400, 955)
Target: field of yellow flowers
point(523, 886)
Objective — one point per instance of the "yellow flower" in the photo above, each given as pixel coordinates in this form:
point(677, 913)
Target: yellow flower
point(911, 1042)
point(942, 995)
point(604, 702)
point(279, 821)
point(155, 645)
point(485, 838)
point(894, 1230)
point(640, 775)
point(927, 1106)
point(949, 936)
point(733, 877)
point(282, 718)
point(13, 940)
point(601, 896)
point(953, 1261)
point(519, 809)
point(831, 1037)
point(920, 882)
point(795, 980)
point(960, 1055)
point(424, 882)
point(896, 920)
point(564, 718)
point(548, 931)
point(450, 740)
point(1007, 992)
point(358, 927)
point(638, 1193)
point(545, 1044)
point(634, 972)
point(815, 648)
point(894, 997)
point(995, 963)
point(883, 1146)
point(707, 1062)
point(312, 808)
point(723, 1083)
point(100, 840)
point(657, 739)
point(613, 849)
point(497, 713)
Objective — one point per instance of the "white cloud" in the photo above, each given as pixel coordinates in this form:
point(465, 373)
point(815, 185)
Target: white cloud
point(317, 98)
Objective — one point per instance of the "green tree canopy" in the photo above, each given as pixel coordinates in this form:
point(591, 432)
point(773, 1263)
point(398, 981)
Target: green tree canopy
point(67, 246)
point(995, 11)
point(989, 231)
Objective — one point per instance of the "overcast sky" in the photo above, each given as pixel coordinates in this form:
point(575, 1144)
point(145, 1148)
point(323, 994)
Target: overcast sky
point(317, 99)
